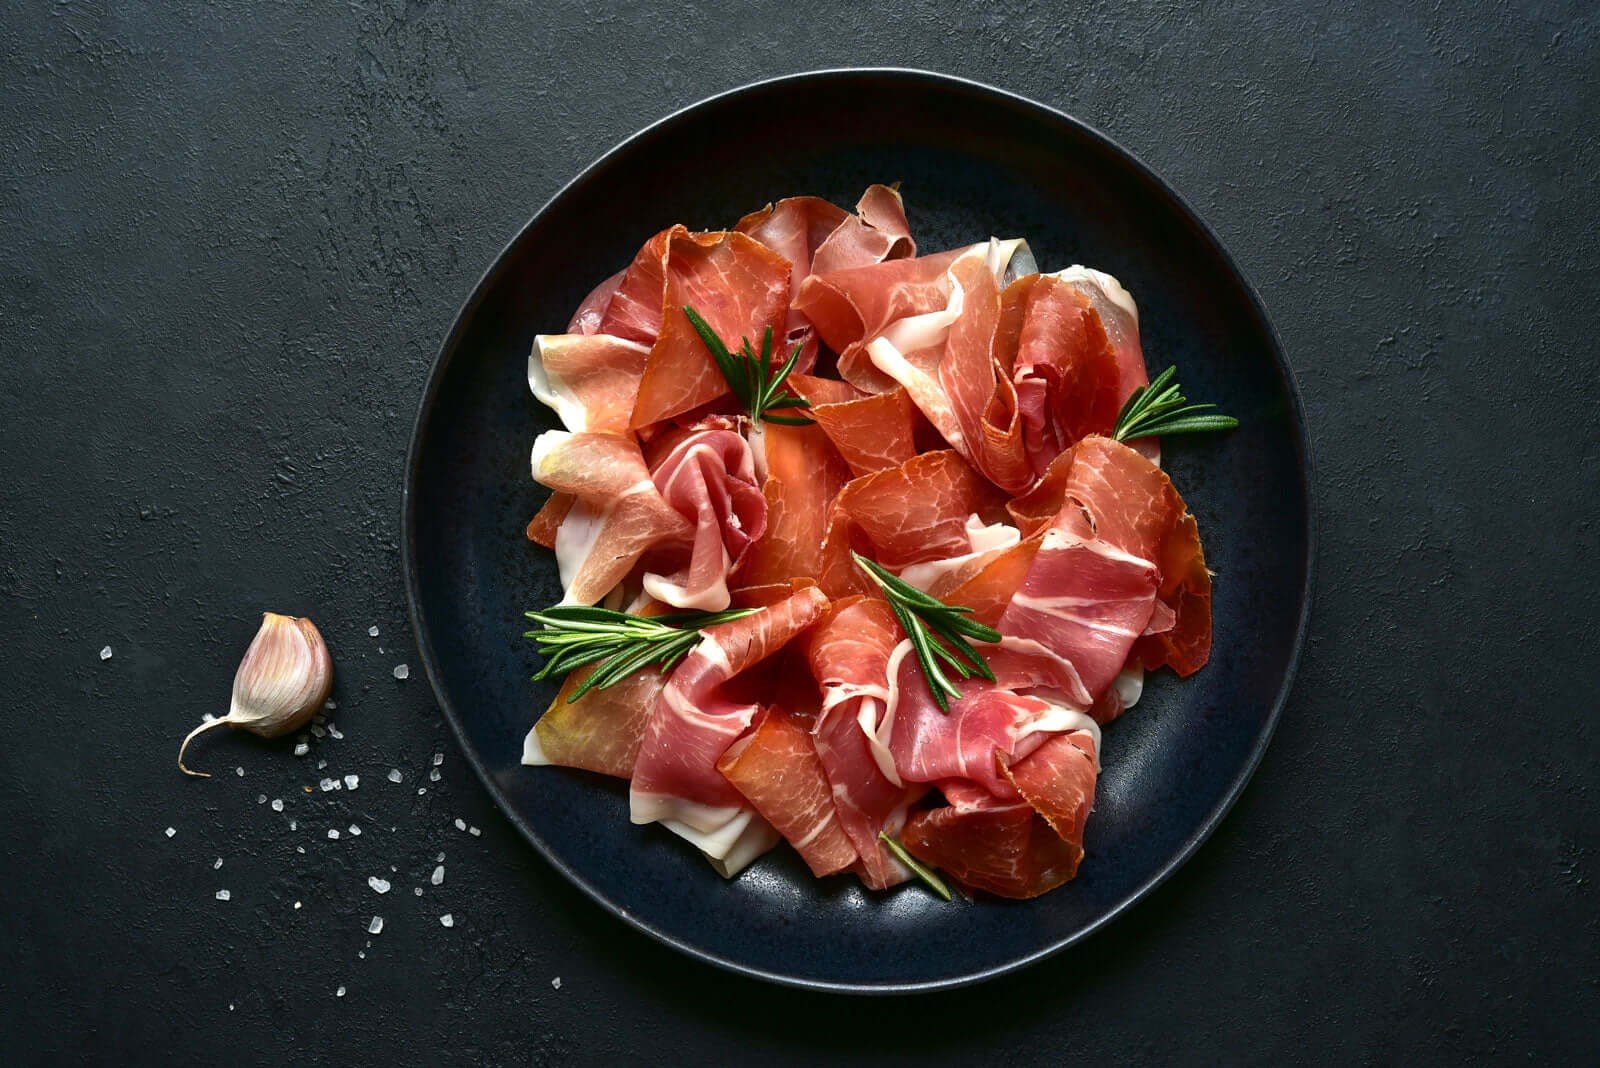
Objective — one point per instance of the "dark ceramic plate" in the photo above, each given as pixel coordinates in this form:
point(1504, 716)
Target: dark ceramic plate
point(973, 161)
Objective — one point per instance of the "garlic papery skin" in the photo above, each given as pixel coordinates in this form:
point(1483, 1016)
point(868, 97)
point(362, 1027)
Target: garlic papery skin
point(283, 679)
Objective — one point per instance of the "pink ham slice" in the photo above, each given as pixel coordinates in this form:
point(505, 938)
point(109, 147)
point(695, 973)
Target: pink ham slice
point(590, 380)
point(616, 515)
point(804, 474)
point(695, 720)
point(709, 479)
point(777, 769)
point(849, 658)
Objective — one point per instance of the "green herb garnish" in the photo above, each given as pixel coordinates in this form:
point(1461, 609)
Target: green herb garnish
point(923, 872)
point(575, 635)
point(751, 379)
point(1159, 409)
point(926, 620)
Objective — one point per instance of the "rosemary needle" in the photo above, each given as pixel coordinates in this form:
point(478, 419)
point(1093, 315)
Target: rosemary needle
point(752, 378)
point(573, 636)
point(1159, 409)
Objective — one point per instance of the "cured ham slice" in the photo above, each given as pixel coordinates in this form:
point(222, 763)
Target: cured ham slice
point(546, 522)
point(804, 474)
point(777, 769)
point(738, 285)
point(871, 431)
point(617, 512)
point(590, 380)
point(600, 731)
point(696, 719)
point(590, 314)
point(852, 308)
point(814, 235)
point(1065, 372)
point(849, 656)
point(984, 723)
point(918, 511)
point(709, 479)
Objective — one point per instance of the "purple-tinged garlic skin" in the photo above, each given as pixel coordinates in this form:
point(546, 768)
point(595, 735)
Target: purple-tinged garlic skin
point(284, 678)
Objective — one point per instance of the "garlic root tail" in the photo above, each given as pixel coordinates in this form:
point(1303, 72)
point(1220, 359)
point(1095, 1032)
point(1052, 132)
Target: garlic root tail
point(182, 748)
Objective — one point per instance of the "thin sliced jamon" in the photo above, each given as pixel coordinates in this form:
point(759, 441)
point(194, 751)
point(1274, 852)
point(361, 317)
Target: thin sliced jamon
point(709, 479)
point(1058, 780)
point(1065, 371)
point(546, 522)
point(600, 731)
point(849, 657)
point(878, 231)
point(735, 282)
point(984, 723)
point(587, 319)
point(990, 590)
point(872, 431)
point(695, 720)
point(987, 843)
point(804, 474)
point(617, 515)
point(590, 380)
point(777, 769)
point(918, 511)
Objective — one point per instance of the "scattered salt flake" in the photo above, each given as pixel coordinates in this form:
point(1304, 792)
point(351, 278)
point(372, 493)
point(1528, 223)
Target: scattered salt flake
point(380, 885)
point(261, 799)
point(441, 858)
point(171, 831)
point(329, 784)
point(361, 954)
point(395, 776)
point(339, 993)
point(239, 771)
point(436, 878)
point(297, 904)
point(333, 832)
point(217, 865)
point(207, 717)
point(301, 749)
point(332, 706)
point(230, 1006)
point(438, 758)
point(461, 824)
point(372, 632)
point(401, 671)
point(376, 926)
point(352, 781)
point(294, 825)
point(556, 982)
point(105, 654)
point(448, 920)
point(355, 830)
point(433, 775)
point(421, 790)
point(417, 890)
point(299, 849)
point(335, 732)
point(321, 764)
point(474, 832)
point(393, 868)
point(277, 804)
point(223, 895)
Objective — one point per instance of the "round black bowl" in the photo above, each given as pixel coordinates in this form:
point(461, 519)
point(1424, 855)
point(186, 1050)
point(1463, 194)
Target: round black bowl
point(973, 161)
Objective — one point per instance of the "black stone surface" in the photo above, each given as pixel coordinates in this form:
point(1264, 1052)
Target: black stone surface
point(231, 237)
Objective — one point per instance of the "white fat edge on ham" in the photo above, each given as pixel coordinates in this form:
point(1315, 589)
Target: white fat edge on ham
point(532, 752)
point(878, 735)
point(1109, 287)
point(983, 539)
point(713, 598)
point(729, 836)
point(552, 391)
point(1057, 717)
point(1120, 317)
point(757, 837)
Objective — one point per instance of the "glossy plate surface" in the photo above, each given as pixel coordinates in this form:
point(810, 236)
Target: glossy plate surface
point(973, 161)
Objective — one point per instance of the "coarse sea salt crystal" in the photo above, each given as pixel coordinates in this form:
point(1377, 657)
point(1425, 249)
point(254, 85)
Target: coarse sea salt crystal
point(333, 832)
point(277, 804)
point(261, 799)
point(433, 775)
point(352, 781)
point(299, 849)
point(301, 749)
point(335, 732)
point(372, 632)
point(417, 890)
point(331, 706)
point(171, 831)
point(395, 776)
point(474, 832)
point(339, 993)
point(376, 926)
point(217, 865)
point(297, 904)
point(461, 824)
point(438, 758)
point(401, 671)
point(421, 790)
point(436, 878)
point(105, 654)
point(448, 920)
point(355, 830)
point(294, 825)
point(239, 771)
point(380, 885)
point(328, 784)
point(441, 858)
point(556, 982)
point(321, 764)
point(223, 895)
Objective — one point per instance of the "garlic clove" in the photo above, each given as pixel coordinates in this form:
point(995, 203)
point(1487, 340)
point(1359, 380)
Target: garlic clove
point(283, 679)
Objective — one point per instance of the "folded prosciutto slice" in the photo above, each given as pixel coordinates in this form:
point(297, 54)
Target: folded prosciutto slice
point(695, 719)
point(709, 479)
point(590, 380)
point(850, 654)
point(803, 476)
point(815, 236)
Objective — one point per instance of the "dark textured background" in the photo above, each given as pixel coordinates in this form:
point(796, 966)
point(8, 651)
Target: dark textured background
point(231, 239)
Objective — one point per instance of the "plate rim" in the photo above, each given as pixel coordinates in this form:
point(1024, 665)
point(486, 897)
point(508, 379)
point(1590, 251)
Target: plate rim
point(468, 311)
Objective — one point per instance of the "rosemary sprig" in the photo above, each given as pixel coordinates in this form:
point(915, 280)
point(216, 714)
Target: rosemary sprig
point(574, 635)
point(938, 632)
point(923, 872)
point(752, 379)
point(1160, 409)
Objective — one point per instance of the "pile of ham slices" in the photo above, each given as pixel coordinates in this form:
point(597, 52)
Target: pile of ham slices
point(963, 407)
